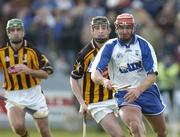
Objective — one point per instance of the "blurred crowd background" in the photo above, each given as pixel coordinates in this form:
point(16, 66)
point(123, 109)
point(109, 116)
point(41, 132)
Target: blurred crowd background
point(60, 28)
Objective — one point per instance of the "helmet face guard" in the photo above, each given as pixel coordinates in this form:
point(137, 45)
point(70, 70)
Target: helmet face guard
point(100, 20)
point(124, 19)
point(124, 26)
point(14, 23)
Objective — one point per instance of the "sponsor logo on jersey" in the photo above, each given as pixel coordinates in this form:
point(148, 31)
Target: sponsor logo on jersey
point(131, 67)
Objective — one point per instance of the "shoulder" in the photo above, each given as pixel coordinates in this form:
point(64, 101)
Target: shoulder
point(2, 48)
point(145, 46)
point(112, 42)
point(87, 50)
point(31, 47)
point(142, 41)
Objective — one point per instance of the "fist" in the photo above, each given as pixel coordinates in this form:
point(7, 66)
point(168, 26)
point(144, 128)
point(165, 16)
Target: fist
point(13, 70)
point(107, 84)
point(105, 73)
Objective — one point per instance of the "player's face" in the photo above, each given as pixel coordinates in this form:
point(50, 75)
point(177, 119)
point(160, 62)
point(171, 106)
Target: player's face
point(125, 31)
point(100, 32)
point(16, 35)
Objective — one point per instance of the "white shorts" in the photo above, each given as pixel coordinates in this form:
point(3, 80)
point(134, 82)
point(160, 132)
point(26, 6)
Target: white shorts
point(101, 109)
point(32, 98)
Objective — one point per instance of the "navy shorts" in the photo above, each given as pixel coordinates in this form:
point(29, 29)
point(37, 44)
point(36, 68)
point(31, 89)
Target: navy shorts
point(150, 101)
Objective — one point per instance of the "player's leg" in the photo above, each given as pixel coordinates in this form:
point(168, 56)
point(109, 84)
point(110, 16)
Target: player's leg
point(132, 117)
point(43, 126)
point(16, 115)
point(153, 110)
point(158, 124)
point(111, 126)
point(16, 118)
point(103, 114)
point(41, 116)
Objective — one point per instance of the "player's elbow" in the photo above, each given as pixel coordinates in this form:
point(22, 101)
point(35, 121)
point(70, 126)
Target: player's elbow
point(45, 76)
point(153, 77)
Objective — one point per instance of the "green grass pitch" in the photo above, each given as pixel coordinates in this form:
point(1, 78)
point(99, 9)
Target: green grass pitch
point(64, 133)
point(91, 132)
point(60, 133)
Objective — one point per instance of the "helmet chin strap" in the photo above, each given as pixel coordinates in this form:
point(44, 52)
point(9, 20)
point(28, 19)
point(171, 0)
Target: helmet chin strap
point(100, 40)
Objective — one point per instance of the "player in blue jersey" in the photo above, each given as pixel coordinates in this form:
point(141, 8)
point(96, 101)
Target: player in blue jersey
point(131, 60)
point(93, 98)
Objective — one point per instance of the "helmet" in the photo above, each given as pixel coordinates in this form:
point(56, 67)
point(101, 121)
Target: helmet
point(99, 20)
point(14, 23)
point(124, 18)
point(11, 24)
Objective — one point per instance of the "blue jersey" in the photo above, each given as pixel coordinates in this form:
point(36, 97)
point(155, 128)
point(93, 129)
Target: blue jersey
point(130, 64)
point(127, 63)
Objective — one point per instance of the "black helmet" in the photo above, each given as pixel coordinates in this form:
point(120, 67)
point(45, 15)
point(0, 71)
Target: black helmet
point(99, 20)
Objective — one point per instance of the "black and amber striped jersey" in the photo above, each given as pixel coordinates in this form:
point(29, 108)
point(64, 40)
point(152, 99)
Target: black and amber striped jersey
point(26, 55)
point(92, 92)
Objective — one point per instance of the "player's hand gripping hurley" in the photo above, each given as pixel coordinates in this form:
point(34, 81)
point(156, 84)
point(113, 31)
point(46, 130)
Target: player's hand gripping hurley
point(119, 88)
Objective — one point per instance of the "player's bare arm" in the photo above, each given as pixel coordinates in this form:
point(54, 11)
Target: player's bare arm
point(148, 81)
point(97, 77)
point(21, 68)
point(76, 88)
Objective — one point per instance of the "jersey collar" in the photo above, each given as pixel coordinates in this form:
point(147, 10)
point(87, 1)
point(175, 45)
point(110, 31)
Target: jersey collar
point(94, 45)
point(133, 41)
point(24, 44)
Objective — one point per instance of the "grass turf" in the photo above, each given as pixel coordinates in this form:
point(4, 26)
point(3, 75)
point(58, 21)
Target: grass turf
point(61, 133)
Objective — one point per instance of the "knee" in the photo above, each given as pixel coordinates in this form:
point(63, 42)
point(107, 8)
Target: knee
point(19, 129)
